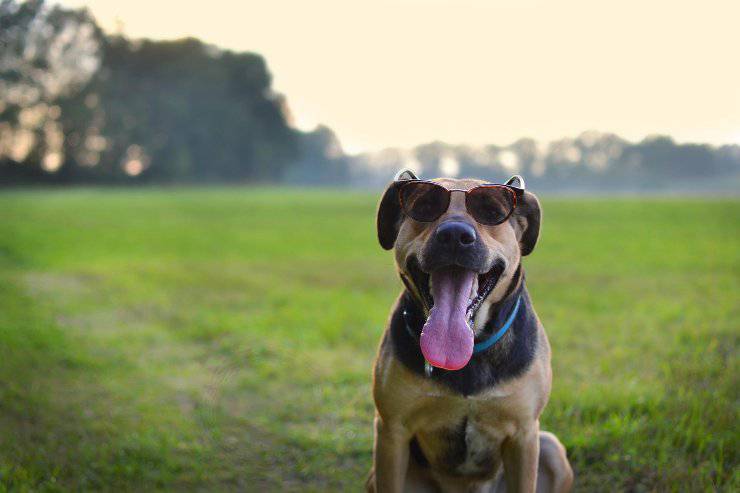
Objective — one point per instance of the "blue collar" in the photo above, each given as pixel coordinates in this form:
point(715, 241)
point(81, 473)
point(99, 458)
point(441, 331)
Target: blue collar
point(483, 345)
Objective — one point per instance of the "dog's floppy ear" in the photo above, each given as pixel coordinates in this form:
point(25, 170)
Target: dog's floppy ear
point(389, 210)
point(527, 215)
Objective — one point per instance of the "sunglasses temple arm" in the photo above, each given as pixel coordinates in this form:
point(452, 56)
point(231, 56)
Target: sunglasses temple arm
point(405, 174)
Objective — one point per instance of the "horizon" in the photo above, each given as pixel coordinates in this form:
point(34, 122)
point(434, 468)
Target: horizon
point(634, 85)
point(542, 144)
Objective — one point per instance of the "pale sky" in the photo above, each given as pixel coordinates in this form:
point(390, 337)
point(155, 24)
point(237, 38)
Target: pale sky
point(403, 72)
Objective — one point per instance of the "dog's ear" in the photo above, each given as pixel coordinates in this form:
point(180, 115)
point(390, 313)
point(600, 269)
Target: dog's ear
point(527, 215)
point(388, 219)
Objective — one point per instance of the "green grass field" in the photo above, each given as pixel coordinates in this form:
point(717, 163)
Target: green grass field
point(222, 339)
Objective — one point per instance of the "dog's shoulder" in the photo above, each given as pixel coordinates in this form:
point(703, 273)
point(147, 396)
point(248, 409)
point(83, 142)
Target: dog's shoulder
point(396, 389)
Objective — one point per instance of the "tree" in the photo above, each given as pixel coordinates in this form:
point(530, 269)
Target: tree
point(79, 106)
point(48, 53)
point(185, 111)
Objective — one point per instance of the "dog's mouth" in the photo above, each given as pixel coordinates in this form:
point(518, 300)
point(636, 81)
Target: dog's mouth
point(452, 296)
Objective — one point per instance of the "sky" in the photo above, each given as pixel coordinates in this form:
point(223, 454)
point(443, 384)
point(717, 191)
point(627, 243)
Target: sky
point(386, 73)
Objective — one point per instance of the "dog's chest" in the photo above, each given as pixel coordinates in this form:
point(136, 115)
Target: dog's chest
point(465, 441)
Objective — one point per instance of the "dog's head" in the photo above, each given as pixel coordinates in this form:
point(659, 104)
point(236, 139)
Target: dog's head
point(454, 266)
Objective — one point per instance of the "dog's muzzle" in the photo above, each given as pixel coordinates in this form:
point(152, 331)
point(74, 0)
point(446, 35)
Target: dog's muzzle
point(455, 243)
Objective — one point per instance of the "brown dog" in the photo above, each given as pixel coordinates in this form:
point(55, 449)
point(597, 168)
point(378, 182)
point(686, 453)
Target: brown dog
point(463, 370)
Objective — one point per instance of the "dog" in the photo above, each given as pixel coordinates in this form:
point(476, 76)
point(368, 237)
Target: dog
point(463, 368)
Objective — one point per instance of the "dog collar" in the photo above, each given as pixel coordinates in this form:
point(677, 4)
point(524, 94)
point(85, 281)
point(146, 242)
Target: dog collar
point(483, 345)
point(480, 346)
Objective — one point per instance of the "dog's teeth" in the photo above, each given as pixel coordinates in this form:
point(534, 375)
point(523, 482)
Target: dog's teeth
point(473, 289)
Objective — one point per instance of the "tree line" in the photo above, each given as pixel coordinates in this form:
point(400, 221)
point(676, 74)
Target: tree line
point(81, 106)
point(592, 161)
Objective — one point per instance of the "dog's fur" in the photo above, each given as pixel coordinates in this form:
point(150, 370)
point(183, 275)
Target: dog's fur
point(477, 428)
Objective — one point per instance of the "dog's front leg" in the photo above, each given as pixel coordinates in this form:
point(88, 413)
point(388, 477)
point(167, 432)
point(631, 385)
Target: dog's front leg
point(521, 455)
point(391, 456)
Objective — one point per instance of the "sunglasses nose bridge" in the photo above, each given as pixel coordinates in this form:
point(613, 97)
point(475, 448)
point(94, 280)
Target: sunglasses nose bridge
point(457, 195)
point(455, 206)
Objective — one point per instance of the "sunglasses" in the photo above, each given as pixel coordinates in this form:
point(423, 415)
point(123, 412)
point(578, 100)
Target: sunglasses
point(488, 204)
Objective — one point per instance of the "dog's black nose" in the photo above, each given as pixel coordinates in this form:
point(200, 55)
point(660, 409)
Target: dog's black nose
point(455, 234)
point(454, 243)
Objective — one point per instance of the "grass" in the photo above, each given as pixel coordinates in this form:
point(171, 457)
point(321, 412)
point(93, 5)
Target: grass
point(222, 339)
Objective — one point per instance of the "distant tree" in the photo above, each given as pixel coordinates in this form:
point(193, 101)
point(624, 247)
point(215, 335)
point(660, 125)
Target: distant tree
point(46, 54)
point(591, 162)
point(662, 157)
point(430, 157)
point(528, 156)
point(322, 160)
point(185, 111)
point(78, 106)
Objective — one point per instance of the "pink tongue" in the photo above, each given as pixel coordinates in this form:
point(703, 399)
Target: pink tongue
point(446, 339)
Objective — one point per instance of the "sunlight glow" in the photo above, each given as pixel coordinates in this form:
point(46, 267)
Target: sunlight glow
point(52, 162)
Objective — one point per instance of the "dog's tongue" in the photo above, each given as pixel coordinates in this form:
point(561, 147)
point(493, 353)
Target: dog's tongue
point(446, 339)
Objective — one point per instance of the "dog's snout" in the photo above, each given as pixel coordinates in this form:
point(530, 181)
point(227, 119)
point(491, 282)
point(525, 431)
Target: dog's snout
point(456, 234)
point(454, 242)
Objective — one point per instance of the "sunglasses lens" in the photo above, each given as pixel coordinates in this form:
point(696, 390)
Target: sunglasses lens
point(490, 205)
point(424, 202)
